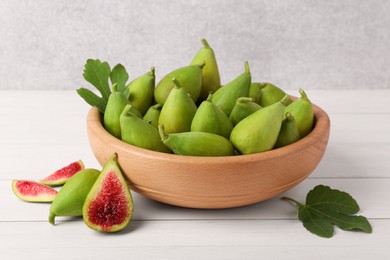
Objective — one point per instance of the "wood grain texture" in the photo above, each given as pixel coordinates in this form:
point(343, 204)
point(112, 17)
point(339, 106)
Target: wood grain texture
point(42, 130)
point(212, 182)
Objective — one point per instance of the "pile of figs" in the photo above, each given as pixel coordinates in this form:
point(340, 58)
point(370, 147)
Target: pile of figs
point(188, 112)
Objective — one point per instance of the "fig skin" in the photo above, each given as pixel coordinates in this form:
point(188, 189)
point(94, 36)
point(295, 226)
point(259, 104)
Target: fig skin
point(138, 132)
point(243, 108)
point(211, 80)
point(190, 78)
point(302, 110)
point(115, 105)
point(178, 111)
point(259, 131)
point(211, 119)
point(70, 199)
point(197, 143)
point(289, 132)
point(153, 114)
point(226, 96)
point(140, 91)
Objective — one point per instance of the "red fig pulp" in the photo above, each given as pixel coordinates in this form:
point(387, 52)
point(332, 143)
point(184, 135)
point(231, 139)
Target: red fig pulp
point(62, 175)
point(109, 205)
point(33, 191)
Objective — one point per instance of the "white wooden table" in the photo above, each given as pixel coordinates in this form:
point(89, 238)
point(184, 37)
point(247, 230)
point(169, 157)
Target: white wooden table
point(44, 130)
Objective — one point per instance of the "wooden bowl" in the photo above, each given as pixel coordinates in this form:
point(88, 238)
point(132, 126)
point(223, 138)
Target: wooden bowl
point(212, 182)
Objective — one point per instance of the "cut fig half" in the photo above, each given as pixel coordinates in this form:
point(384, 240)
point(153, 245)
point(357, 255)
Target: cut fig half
point(32, 191)
point(62, 175)
point(108, 206)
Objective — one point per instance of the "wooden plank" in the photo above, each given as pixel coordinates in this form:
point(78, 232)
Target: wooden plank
point(230, 239)
point(354, 160)
point(371, 194)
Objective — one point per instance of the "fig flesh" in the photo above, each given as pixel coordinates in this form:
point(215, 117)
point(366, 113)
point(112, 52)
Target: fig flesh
point(62, 175)
point(108, 206)
point(32, 191)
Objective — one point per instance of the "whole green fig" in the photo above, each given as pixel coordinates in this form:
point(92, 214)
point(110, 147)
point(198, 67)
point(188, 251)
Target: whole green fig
point(244, 107)
point(211, 119)
point(116, 103)
point(289, 132)
point(138, 132)
point(259, 131)
point(197, 143)
point(226, 96)
point(70, 199)
point(302, 110)
point(255, 91)
point(271, 94)
point(210, 74)
point(153, 114)
point(190, 78)
point(178, 111)
point(141, 91)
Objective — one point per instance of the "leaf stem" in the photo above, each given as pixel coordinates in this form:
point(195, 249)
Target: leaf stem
point(292, 200)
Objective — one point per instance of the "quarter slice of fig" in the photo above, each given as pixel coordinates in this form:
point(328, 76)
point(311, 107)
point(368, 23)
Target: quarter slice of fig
point(32, 191)
point(108, 206)
point(62, 175)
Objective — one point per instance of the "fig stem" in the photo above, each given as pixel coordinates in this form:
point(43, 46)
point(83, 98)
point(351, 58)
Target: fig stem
point(152, 71)
point(176, 83)
point(114, 87)
point(162, 133)
point(285, 99)
point(247, 69)
point(205, 43)
point(201, 65)
point(51, 218)
point(210, 97)
point(303, 94)
point(244, 99)
point(157, 106)
point(289, 116)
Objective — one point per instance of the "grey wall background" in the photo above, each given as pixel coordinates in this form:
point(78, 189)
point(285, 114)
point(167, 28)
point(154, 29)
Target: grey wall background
point(303, 43)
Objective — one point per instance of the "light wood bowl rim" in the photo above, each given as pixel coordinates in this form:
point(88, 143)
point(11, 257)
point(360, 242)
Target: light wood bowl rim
point(321, 128)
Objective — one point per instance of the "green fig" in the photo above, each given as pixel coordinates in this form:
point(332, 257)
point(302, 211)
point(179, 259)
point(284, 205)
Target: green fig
point(116, 103)
point(197, 143)
point(141, 91)
point(255, 91)
point(138, 132)
point(211, 119)
point(226, 96)
point(289, 132)
point(70, 199)
point(302, 111)
point(271, 94)
point(190, 78)
point(259, 131)
point(244, 107)
point(178, 111)
point(109, 206)
point(210, 74)
point(153, 114)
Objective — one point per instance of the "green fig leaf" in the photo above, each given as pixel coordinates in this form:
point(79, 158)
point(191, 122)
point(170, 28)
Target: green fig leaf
point(326, 207)
point(97, 73)
point(119, 76)
point(92, 99)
